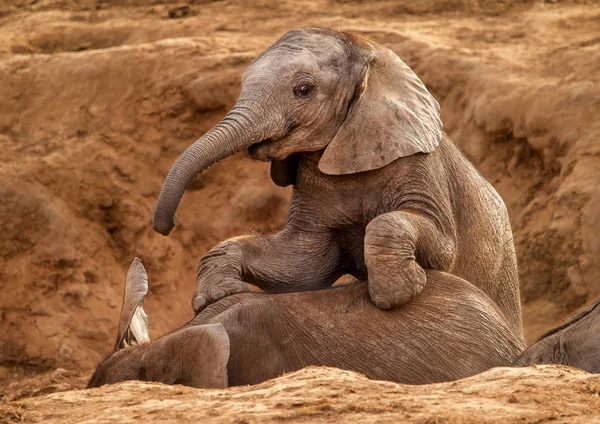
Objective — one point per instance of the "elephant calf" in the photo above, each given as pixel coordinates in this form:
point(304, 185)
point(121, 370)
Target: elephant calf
point(379, 191)
point(575, 343)
point(452, 330)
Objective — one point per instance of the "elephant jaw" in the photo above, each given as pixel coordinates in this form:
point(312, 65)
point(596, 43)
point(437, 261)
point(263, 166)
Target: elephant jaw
point(267, 150)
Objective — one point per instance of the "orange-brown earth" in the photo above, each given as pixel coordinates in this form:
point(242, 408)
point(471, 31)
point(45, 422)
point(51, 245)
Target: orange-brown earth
point(540, 394)
point(99, 97)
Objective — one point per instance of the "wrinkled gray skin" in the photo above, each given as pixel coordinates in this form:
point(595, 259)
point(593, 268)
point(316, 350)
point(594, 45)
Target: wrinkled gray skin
point(575, 343)
point(379, 191)
point(452, 330)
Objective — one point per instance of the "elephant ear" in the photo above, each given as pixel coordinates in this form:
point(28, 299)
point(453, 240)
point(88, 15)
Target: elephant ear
point(195, 356)
point(391, 116)
point(133, 322)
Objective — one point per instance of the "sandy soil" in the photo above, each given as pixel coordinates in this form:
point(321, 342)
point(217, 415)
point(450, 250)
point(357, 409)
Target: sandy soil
point(332, 395)
point(98, 98)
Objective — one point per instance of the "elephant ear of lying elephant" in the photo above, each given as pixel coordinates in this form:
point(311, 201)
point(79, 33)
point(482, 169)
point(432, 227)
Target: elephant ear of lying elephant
point(196, 356)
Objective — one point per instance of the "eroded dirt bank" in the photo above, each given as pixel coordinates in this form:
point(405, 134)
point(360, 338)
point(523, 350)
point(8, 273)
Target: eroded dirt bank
point(98, 98)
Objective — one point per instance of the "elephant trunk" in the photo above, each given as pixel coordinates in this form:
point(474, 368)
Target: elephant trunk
point(233, 134)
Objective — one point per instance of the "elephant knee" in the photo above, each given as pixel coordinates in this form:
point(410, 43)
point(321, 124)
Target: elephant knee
point(389, 234)
point(410, 237)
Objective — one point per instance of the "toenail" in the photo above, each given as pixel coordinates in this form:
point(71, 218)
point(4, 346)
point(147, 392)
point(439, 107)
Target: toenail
point(199, 302)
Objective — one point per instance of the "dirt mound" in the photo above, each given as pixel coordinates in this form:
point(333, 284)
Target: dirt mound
point(59, 380)
point(331, 395)
point(98, 99)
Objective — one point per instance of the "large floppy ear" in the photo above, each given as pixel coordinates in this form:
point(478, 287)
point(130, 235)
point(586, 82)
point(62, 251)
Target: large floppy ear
point(133, 323)
point(392, 115)
point(195, 356)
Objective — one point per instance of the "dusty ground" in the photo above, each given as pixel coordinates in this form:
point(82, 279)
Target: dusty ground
point(332, 395)
point(98, 98)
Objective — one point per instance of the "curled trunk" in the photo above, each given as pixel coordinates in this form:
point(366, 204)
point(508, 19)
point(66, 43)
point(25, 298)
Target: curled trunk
point(233, 134)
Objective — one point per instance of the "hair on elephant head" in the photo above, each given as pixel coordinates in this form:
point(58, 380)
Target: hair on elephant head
point(315, 90)
point(195, 356)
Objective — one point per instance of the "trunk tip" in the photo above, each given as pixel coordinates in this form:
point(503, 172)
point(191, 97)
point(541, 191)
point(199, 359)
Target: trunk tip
point(163, 228)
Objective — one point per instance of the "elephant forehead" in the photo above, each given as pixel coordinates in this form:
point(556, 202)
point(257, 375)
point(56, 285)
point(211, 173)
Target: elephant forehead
point(286, 66)
point(324, 45)
point(280, 63)
point(300, 50)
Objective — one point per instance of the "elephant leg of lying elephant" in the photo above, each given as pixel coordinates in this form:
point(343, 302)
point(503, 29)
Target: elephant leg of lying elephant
point(452, 330)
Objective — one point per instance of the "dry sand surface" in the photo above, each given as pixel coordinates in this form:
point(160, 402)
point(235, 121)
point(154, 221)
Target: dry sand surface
point(536, 394)
point(99, 97)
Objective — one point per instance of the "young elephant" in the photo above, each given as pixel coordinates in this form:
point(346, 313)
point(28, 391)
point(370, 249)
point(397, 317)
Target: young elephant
point(575, 343)
point(379, 191)
point(452, 330)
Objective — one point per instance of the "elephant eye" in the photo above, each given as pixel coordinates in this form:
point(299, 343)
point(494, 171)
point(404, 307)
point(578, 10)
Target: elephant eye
point(303, 90)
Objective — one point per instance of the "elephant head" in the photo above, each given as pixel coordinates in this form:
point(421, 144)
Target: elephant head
point(350, 100)
point(194, 356)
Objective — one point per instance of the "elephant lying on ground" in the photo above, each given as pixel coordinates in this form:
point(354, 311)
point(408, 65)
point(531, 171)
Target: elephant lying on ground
point(379, 191)
point(452, 330)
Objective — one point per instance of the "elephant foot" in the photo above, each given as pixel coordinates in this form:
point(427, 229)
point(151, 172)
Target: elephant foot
point(209, 292)
point(393, 283)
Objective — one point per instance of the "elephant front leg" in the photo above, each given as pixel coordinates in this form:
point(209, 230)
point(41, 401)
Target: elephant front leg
point(291, 260)
point(397, 247)
point(219, 274)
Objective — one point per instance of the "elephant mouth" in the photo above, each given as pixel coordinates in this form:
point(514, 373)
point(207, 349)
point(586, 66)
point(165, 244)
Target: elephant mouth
point(269, 148)
point(262, 150)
